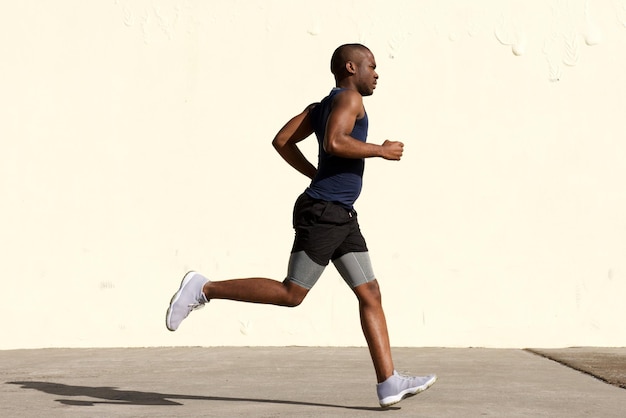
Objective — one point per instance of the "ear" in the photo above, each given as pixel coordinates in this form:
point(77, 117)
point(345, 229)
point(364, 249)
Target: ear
point(350, 67)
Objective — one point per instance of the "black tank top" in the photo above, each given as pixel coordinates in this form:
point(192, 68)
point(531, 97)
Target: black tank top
point(338, 179)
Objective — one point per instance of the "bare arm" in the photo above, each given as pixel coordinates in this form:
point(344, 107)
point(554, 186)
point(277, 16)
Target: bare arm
point(286, 142)
point(347, 108)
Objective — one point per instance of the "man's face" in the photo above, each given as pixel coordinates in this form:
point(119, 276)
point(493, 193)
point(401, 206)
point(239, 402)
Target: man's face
point(366, 74)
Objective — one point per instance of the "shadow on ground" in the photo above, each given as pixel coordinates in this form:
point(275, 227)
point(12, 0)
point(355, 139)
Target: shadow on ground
point(115, 396)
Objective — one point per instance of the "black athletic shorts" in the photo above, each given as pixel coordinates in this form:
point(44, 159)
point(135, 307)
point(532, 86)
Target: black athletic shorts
point(325, 230)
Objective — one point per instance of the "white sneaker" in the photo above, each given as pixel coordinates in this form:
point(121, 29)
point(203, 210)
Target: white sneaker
point(398, 387)
point(188, 298)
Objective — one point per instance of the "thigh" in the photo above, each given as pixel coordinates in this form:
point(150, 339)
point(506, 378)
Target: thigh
point(303, 271)
point(355, 268)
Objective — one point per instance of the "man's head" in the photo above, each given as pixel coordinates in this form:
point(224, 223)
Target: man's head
point(354, 66)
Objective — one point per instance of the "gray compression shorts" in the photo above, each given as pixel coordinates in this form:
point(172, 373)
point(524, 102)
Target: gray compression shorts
point(355, 268)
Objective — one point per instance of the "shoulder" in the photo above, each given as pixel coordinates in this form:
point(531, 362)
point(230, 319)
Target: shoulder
point(349, 100)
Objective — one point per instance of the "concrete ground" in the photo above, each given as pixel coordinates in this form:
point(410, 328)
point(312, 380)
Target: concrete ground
point(293, 382)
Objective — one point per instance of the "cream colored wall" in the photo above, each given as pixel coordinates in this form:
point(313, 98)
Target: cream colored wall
point(135, 142)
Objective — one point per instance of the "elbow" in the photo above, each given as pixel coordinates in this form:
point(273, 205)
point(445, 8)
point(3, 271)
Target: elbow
point(331, 147)
point(336, 143)
point(278, 143)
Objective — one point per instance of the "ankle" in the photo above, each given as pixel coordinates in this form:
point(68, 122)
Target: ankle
point(205, 291)
point(386, 377)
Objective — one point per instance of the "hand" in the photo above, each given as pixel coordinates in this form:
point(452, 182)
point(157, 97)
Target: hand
point(392, 150)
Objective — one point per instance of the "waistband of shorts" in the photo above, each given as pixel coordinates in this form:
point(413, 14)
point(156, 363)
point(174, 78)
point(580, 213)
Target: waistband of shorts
point(351, 211)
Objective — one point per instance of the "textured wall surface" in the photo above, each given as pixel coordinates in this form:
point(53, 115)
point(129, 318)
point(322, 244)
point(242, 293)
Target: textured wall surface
point(135, 145)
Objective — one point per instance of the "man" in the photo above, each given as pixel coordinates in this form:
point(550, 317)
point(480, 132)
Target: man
point(324, 219)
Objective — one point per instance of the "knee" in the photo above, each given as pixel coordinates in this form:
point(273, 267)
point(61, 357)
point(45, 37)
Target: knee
point(293, 301)
point(369, 293)
point(294, 294)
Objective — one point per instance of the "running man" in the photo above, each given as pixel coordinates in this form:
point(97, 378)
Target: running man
point(324, 219)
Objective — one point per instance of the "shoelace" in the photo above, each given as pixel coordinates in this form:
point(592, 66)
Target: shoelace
point(406, 376)
point(195, 306)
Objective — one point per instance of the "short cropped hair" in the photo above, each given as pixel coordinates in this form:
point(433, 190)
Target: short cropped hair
point(342, 55)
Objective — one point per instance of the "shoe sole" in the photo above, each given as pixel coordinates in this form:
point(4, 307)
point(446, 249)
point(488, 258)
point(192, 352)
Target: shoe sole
point(407, 393)
point(183, 283)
